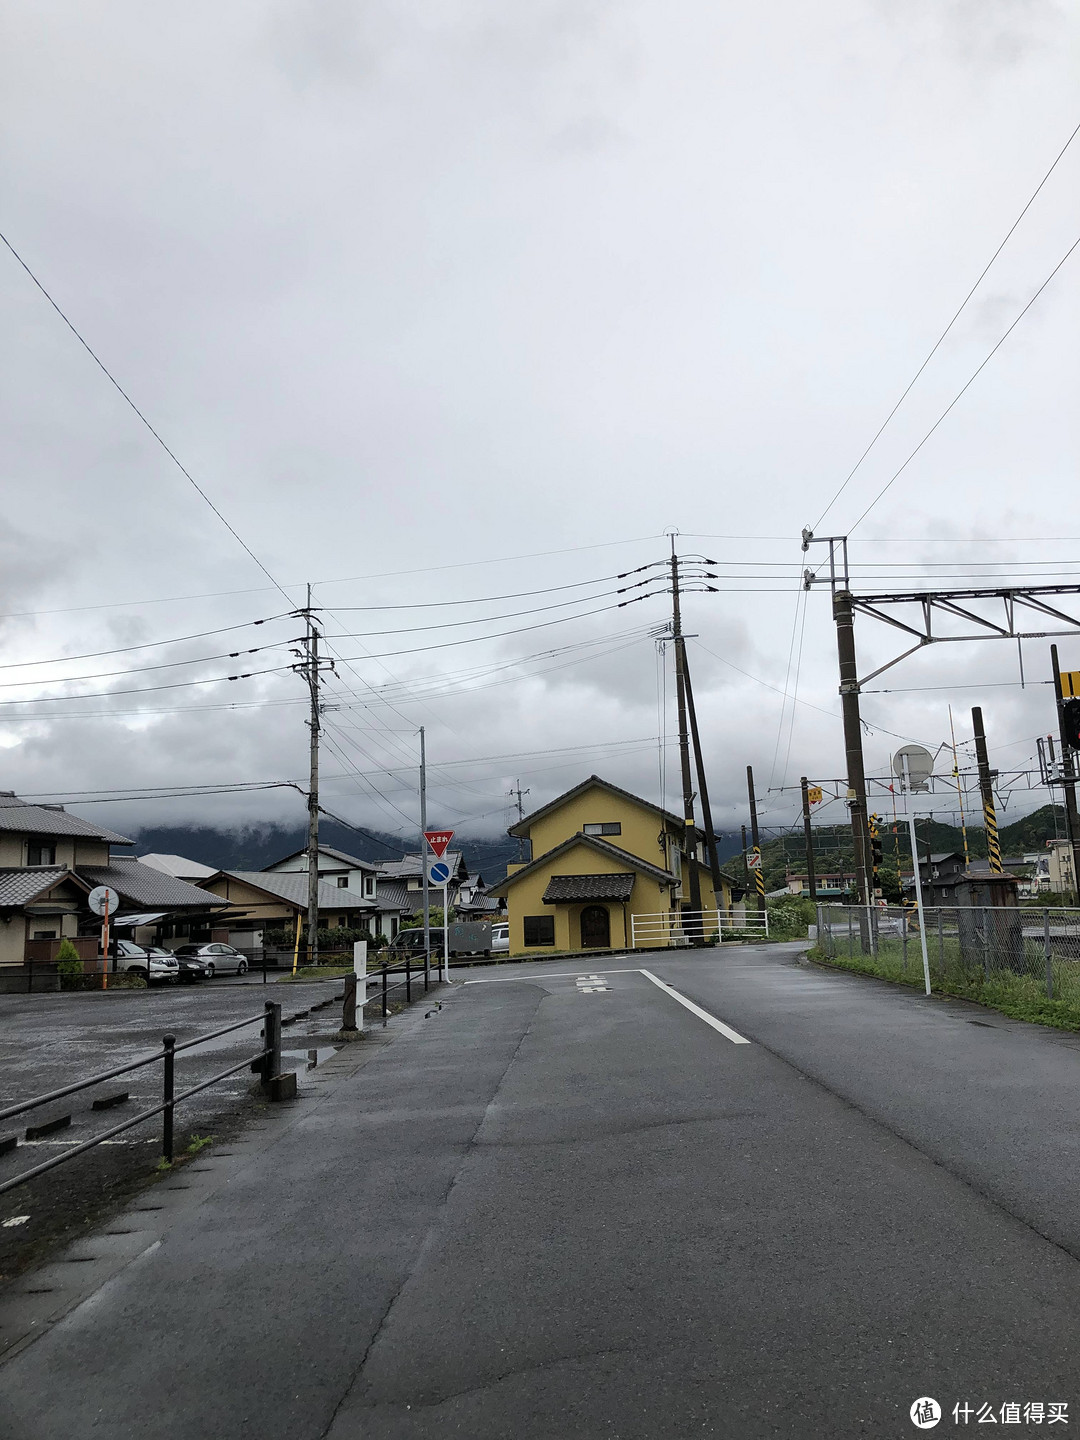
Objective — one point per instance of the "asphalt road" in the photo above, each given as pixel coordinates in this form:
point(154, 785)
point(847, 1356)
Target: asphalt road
point(564, 1208)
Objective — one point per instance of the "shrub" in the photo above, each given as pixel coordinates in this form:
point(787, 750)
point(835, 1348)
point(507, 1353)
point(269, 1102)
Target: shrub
point(67, 959)
point(790, 917)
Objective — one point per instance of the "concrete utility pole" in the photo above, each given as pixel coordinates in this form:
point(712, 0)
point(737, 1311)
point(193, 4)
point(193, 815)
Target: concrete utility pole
point(1068, 775)
point(844, 617)
point(424, 856)
point(986, 788)
point(518, 792)
point(809, 838)
point(759, 874)
point(689, 859)
point(745, 866)
point(311, 673)
point(703, 789)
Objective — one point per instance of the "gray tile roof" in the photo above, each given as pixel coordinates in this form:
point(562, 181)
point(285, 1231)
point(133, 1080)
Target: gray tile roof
point(146, 887)
point(19, 887)
point(292, 887)
point(413, 864)
point(394, 895)
point(563, 888)
point(16, 814)
point(350, 860)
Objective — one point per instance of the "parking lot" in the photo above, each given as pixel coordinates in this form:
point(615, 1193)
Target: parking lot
point(48, 1041)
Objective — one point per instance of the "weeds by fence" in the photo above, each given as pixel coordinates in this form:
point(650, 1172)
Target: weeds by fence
point(1023, 962)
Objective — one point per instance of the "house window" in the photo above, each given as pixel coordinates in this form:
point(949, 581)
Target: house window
point(605, 827)
point(40, 854)
point(369, 884)
point(343, 882)
point(415, 883)
point(539, 929)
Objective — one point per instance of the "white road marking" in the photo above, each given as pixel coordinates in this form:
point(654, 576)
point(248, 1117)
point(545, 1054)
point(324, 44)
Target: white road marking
point(547, 975)
point(732, 1035)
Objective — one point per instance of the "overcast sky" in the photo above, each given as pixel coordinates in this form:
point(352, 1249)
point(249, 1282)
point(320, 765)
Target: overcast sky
point(446, 302)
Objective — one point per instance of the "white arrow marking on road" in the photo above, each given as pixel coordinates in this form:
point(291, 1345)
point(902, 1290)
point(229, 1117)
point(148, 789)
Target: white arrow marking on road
point(732, 1035)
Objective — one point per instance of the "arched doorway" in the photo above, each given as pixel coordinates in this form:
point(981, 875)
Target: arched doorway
point(595, 928)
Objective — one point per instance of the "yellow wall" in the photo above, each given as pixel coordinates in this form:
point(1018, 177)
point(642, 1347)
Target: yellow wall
point(258, 906)
point(525, 898)
point(70, 851)
point(640, 826)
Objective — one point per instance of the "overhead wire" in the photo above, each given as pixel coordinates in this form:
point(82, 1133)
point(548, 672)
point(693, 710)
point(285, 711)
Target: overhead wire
point(939, 341)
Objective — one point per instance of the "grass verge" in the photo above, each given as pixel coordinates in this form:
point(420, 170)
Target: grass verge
point(1021, 997)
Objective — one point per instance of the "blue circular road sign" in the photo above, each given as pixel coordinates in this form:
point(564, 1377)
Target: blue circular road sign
point(439, 873)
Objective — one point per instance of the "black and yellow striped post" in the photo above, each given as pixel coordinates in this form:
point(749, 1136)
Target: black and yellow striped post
point(986, 788)
point(759, 877)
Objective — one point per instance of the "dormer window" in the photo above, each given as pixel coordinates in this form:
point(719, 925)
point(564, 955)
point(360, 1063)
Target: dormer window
point(603, 827)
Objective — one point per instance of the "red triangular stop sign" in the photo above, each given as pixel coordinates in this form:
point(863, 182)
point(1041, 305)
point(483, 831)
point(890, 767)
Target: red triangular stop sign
point(438, 840)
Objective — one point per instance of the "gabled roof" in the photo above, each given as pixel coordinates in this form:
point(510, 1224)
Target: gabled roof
point(20, 887)
point(146, 887)
point(16, 814)
point(339, 855)
point(413, 864)
point(592, 842)
point(178, 865)
point(521, 829)
point(393, 895)
point(292, 887)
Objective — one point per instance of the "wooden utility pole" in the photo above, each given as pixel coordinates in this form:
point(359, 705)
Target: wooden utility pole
point(689, 858)
point(1068, 775)
point(809, 838)
point(759, 874)
point(986, 788)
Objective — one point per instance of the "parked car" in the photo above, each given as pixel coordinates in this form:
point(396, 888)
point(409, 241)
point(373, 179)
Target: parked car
point(411, 942)
point(500, 937)
point(217, 959)
point(190, 969)
point(153, 963)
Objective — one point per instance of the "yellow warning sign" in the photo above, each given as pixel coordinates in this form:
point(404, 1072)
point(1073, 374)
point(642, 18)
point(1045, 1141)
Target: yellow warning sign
point(814, 795)
point(1070, 683)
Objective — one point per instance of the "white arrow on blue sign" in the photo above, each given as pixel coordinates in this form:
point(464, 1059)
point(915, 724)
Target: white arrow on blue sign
point(439, 873)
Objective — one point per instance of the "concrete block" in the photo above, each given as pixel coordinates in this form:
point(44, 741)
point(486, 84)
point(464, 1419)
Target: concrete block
point(283, 1087)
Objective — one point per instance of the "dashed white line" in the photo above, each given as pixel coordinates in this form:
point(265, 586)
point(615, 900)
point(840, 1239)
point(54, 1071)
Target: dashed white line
point(726, 1030)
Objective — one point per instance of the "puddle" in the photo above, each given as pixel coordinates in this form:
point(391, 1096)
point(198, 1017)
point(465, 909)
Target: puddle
point(311, 1057)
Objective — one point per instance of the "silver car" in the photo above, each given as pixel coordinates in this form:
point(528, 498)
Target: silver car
point(500, 937)
point(217, 959)
point(153, 963)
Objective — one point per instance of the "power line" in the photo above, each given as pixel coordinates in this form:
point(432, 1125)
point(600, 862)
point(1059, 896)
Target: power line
point(147, 689)
point(146, 645)
point(124, 394)
point(965, 388)
point(136, 670)
point(938, 342)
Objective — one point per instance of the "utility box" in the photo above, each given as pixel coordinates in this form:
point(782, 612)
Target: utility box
point(470, 937)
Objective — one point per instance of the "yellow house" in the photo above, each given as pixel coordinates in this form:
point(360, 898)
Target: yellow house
point(602, 856)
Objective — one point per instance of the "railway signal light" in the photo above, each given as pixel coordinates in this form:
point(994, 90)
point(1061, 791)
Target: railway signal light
point(1070, 723)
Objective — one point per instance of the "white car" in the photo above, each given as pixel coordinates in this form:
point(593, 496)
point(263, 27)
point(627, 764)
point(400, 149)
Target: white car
point(500, 937)
point(154, 964)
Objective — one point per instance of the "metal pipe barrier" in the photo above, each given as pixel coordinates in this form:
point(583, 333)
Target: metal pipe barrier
point(268, 1060)
point(695, 927)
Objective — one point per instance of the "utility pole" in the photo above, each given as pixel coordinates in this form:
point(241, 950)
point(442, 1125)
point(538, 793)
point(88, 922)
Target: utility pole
point(759, 874)
point(518, 792)
point(808, 836)
point(986, 787)
point(703, 789)
point(424, 856)
point(844, 617)
point(745, 867)
point(689, 858)
point(310, 667)
point(1068, 775)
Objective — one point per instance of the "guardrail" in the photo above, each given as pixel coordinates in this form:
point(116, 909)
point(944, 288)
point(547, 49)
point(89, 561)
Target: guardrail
point(694, 927)
point(268, 1059)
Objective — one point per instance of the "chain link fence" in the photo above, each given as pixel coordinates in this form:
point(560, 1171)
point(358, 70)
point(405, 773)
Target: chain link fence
point(1025, 953)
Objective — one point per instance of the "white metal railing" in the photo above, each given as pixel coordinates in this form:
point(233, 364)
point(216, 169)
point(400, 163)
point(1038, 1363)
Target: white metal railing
point(690, 927)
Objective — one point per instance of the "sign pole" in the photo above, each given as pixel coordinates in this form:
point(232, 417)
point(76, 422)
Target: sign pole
point(105, 948)
point(446, 931)
point(918, 901)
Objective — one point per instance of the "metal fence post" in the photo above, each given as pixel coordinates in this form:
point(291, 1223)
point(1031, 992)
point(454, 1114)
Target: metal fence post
point(941, 943)
point(385, 1007)
point(348, 1009)
point(408, 978)
point(169, 1042)
point(272, 1040)
point(1046, 952)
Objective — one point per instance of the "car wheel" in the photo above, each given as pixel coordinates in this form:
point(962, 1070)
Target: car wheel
point(209, 969)
point(142, 974)
point(241, 967)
